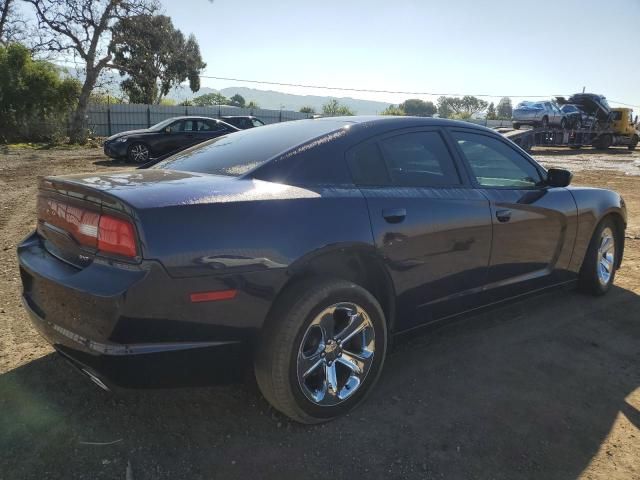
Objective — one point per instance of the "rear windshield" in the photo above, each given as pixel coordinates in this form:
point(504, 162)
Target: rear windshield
point(240, 152)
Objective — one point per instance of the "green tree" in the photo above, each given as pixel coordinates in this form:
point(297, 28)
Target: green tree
point(393, 110)
point(444, 109)
point(417, 107)
point(252, 104)
point(237, 101)
point(333, 108)
point(83, 28)
point(209, 99)
point(462, 108)
point(155, 56)
point(308, 109)
point(35, 100)
point(491, 112)
point(504, 109)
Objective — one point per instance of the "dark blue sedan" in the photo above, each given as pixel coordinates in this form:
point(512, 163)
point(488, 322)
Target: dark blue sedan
point(300, 249)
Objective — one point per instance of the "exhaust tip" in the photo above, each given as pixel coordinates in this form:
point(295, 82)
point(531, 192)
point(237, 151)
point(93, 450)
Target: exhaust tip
point(96, 380)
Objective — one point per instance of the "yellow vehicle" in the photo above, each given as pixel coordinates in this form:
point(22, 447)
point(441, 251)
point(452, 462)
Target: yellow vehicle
point(624, 127)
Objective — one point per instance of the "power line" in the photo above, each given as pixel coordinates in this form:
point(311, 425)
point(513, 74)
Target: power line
point(367, 90)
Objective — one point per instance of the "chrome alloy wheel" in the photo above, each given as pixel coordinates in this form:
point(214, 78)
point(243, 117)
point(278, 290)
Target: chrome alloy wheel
point(140, 153)
point(336, 354)
point(606, 256)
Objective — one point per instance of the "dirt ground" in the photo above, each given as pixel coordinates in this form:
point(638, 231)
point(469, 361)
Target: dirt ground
point(545, 388)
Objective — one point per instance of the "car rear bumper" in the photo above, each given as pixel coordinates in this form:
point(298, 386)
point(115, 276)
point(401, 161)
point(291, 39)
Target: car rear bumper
point(135, 327)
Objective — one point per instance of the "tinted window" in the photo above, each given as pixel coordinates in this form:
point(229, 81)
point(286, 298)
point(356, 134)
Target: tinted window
point(200, 125)
point(176, 127)
point(367, 166)
point(496, 164)
point(243, 151)
point(419, 159)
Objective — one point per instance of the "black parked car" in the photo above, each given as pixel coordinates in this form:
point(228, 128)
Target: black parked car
point(300, 248)
point(243, 122)
point(171, 135)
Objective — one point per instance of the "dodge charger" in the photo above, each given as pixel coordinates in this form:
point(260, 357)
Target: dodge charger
point(300, 250)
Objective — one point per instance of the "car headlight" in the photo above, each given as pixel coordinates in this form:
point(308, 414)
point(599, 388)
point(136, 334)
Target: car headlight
point(122, 139)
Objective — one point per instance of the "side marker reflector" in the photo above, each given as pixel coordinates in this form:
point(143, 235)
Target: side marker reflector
point(213, 296)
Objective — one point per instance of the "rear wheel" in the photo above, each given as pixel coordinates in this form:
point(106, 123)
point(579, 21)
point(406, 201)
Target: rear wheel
point(322, 350)
point(634, 143)
point(138, 153)
point(599, 266)
point(604, 142)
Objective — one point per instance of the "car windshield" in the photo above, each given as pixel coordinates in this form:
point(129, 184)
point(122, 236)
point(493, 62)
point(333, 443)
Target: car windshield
point(240, 152)
point(162, 124)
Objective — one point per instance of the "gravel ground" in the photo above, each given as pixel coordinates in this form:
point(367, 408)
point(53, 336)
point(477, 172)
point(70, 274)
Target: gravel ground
point(544, 388)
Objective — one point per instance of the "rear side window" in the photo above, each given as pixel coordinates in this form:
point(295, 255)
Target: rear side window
point(495, 164)
point(367, 165)
point(419, 159)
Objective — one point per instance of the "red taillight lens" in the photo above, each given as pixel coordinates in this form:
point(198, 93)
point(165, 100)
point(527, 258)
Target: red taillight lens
point(106, 233)
point(116, 235)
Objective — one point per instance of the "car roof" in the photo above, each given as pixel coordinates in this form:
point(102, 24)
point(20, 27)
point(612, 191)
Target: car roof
point(192, 117)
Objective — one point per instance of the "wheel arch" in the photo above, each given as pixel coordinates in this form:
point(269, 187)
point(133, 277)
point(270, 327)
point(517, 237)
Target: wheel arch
point(359, 264)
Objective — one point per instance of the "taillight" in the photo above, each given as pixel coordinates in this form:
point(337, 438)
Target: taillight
point(107, 234)
point(116, 235)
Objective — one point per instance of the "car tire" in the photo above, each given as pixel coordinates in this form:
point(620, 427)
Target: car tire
point(516, 126)
point(595, 278)
point(298, 356)
point(138, 152)
point(634, 143)
point(604, 142)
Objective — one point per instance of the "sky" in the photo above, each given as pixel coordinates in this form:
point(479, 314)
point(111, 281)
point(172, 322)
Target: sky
point(517, 49)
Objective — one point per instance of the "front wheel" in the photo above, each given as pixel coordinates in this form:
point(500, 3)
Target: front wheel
point(138, 153)
point(599, 266)
point(322, 350)
point(634, 143)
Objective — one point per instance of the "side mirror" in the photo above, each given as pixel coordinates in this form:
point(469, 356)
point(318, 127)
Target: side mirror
point(167, 129)
point(558, 177)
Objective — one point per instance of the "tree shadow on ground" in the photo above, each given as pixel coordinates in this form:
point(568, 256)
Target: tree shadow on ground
point(528, 390)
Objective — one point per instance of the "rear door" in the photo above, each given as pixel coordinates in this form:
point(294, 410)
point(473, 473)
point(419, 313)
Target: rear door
point(534, 226)
point(431, 228)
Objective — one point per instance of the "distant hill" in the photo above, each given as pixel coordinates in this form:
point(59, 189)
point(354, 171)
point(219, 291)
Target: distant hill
point(273, 100)
point(269, 99)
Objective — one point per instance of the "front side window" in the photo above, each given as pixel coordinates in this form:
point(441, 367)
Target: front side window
point(176, 127)
point(419, 159)
point(495, 164)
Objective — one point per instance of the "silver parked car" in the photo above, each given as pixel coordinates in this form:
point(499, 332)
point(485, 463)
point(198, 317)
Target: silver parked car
point(539, 114)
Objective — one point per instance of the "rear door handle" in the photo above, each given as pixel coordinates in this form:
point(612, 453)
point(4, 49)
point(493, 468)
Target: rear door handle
point(503, 215)
point(394, 215)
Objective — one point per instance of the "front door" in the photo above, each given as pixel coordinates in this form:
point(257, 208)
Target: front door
point(432, 230)
point(534, 226)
